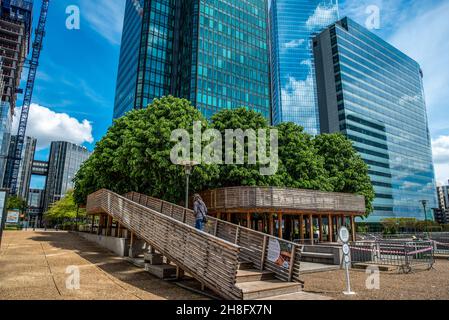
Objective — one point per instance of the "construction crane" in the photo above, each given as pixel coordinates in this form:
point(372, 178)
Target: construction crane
point(33, 64)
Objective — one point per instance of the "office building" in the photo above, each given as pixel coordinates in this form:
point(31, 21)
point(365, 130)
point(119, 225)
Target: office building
point(25, 168)
point(15, 37)
point(64, 162)
point(373, 93)
point(293, 24)
point(443, 196)
point(35, 205)
point(213, 53)
point(5, 137)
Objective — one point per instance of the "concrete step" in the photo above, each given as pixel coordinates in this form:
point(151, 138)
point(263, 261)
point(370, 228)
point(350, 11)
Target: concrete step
point(162, 271)
point(317, 254)
point(318, 257)
point(245, 265)
point(268, 288)
point(251, 275)
point(385, 268)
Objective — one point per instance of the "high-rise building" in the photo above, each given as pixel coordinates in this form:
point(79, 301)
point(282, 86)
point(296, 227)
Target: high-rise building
point(5, 136)
point(373, 93)
point(15, 37)
point(64, 162)
point(293, 24)
point(443, 196)
point(35, 205)
point(442, 212)
point(213, 53)
point(125, 92)
point(25, 168)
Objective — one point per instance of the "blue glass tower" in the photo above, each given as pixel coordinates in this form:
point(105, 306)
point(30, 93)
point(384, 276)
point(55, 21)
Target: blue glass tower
point(373, 93)
point(125, 92)
point(293, 23)
point(213, 53)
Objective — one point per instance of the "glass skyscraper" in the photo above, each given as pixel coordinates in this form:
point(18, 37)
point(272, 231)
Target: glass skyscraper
point(64, 162)
point(213, 53)
point(293, 23)
point(373, 93)
point(125, 93)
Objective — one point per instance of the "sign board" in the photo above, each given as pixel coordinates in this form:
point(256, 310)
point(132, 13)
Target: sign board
point(279, 253)
point(12, 217)
point(343, 234)
point(3, 197)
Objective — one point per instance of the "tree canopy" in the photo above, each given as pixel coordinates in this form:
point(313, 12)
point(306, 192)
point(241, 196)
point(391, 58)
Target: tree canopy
point(17, 203)
point(66, 208)
point(134, 155)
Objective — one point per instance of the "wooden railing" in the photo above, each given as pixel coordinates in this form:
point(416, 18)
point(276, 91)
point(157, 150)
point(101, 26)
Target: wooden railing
point(254, 246)
point(211, 260)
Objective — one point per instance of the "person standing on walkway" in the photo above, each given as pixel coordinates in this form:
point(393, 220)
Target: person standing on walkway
point(200, 212)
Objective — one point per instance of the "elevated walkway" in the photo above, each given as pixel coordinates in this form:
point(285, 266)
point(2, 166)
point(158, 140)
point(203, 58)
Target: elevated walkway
point(233, 261)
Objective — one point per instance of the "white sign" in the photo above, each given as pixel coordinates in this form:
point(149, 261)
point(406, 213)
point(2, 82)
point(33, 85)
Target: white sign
point(344, 234)
point(346, 249)
point(12, 217)
point(274, 250)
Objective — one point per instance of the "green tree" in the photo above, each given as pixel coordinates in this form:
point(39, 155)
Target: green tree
point(134, 155)
point(300, 165)
point(65, 209)
point(346, 170)
point(241, 174)
point(17, 203)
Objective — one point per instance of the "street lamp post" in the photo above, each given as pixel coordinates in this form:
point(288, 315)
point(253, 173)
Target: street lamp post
point(424, 204)
point(188, 167)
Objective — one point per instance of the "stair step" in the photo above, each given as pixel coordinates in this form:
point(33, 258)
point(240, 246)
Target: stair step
point(268, 288)
point(245, 265)
point(317, 254)
point(251, 275)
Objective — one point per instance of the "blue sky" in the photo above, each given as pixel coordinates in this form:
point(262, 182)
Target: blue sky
point(74, 93)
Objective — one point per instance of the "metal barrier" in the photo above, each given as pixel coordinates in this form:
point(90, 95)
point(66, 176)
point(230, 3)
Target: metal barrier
point(406, 255)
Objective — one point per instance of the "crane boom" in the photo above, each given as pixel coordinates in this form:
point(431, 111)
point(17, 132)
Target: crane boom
point(34, 63)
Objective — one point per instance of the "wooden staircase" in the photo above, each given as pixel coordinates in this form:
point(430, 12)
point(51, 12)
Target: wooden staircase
point(256, 284)
point(230, 260)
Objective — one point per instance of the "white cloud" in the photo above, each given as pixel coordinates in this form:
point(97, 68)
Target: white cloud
point(294, 44)
point(322, 17)
point(441, 149)
point(46, 126)
point(441, 158)
point(105, 17)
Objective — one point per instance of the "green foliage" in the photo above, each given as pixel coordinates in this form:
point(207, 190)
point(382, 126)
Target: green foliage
point(66, 208)
point(17, 203)
point(135, 154)
point(241, 174)
point(300, 166)
point(346, 170)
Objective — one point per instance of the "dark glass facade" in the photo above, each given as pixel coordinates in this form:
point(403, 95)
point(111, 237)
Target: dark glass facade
point(293, 23)
point(125, 93)
point(373, 93)
point(64, 162)
point(213, 53)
